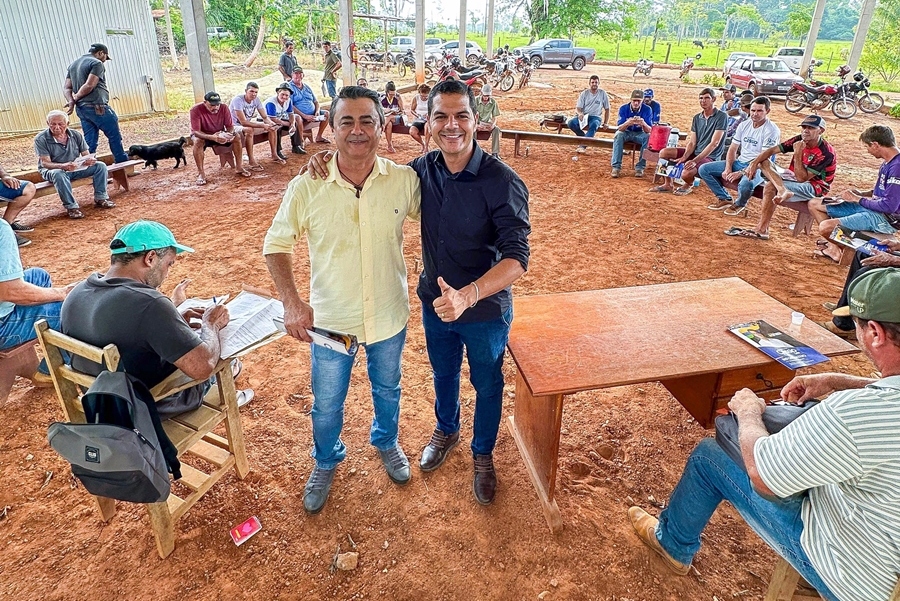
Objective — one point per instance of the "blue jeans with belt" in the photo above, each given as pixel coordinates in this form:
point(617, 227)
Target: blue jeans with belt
point(484, 343)
point(710, 477)
point(18, 327)
point(92, 124)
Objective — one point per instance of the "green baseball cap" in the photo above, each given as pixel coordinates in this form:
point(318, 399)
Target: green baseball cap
point(873, 296)
point(142, 236)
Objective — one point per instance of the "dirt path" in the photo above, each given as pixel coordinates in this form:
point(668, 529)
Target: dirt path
point(429, 540)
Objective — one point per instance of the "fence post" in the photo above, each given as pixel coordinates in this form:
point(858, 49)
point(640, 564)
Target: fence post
point(668, 50)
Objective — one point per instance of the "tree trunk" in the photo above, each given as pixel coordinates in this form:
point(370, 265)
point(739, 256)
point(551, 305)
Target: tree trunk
point(260, 38)
point(655, 36)
point(171, 36)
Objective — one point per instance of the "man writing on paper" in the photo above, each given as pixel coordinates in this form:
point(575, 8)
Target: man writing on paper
point(124, 307)
point(353, 221)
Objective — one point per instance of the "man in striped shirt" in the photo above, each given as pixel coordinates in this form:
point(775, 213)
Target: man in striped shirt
point(825, 491)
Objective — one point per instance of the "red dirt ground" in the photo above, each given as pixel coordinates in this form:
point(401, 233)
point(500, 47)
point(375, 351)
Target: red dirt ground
point(429, 540)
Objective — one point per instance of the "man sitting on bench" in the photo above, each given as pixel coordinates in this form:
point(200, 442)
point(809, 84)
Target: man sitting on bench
point(210, 127)
point(809, 176)
point(18, 194)
point(590, 103)
point(26, 295)
point(876, 210)
point(306, 107)
point(125, 307)
point(633, 126)
point(248, 112)
point(822, 491)
point(281, 111)
point(63, 157)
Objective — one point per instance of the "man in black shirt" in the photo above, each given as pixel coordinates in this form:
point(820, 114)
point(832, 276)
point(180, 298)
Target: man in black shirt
point(475, 231)
point(124, 307)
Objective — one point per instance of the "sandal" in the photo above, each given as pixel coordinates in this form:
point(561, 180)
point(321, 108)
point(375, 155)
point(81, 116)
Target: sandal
point(244, 173)
point(820, 254)
point(752, 234)
point(237, 366)
point(821, 244)
point(734, 231)
point(660, 189)
point(104, 203)
point(74, 213)
point(280, 161)
point(323, 140)
point(201, 181)
point(244, 397)
point(257, 167)
point(683, 191)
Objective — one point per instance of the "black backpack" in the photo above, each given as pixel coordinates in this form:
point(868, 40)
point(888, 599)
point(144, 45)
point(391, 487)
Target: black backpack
point(122, 452)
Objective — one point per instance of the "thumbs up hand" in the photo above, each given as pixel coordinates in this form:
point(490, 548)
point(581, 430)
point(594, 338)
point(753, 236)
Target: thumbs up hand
point(451, 304)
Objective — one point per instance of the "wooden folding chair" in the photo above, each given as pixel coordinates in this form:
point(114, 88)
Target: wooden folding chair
point(191, 432)
point(783, 586)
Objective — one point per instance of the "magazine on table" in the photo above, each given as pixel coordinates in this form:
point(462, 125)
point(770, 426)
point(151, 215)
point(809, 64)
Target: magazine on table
point(786, 350)
point(857, 240)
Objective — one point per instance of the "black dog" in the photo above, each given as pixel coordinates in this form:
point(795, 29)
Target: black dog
point(158, 152)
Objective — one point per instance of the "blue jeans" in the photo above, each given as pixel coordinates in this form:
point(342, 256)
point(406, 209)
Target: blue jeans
point(330, 382)
point(856, 217)
point(62, 181)
point(710, 477)
point(711, 173)
point(92, 124)
point(638, 137)
point(18, 327)
point(330, 84)
point(485, 343)
point(593, 126)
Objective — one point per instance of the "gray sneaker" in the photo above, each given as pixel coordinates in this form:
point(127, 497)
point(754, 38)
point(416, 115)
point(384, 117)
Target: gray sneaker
point(317, 488)
point(395, 464)
point(615, 172)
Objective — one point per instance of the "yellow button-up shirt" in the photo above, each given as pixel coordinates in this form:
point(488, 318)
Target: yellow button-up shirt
point(357, 273)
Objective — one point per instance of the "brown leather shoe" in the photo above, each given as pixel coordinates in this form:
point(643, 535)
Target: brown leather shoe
point(436, 450)
point(645, 526)
point(485, 483)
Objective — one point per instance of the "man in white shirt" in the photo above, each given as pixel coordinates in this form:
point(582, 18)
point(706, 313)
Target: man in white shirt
point(588, 108)
point(823, 491)
point(245, 110)
point(751, 138)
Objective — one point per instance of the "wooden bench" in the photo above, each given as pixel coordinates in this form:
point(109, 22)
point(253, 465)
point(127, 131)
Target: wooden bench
point(21, 360)
point(190, 432)
point(119, 173)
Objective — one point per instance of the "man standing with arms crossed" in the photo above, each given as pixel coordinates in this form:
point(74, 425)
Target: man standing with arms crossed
point(87, 94)
point(475, 231)
point(353, 221)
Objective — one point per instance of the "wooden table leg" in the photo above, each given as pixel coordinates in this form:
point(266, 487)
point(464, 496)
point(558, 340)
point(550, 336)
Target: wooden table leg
point(535, 426)
point(697, 394)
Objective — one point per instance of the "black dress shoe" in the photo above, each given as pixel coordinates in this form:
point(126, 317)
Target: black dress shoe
point(298, 150)
point(485, 483)
point(280, 155)
point(435, 452)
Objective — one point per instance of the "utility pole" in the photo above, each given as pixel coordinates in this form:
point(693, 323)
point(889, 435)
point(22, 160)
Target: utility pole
point(865, 19)
point(420, 41)
point(489, 29)
point(345, 16)
point(462, 31)
point(811, 39)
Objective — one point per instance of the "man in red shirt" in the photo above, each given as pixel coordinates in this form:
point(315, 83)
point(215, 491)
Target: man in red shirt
point(211, 125)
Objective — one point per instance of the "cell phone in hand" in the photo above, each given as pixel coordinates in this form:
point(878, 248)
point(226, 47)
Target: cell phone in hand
point(831, 200)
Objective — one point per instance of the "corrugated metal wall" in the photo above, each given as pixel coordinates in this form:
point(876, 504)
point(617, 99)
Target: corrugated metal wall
point(40, 38)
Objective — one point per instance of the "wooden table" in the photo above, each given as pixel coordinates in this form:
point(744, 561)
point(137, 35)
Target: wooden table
point(670, 333)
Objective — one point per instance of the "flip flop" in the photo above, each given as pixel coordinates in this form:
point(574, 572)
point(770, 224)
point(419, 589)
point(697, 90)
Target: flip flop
point(683, 191)
point(751, 234)
point(280, 161)
point(201, 181)
point(821, 243)
point(244, 173)
point(244, 397)
point(237, 366)
point(323, 140)
point(660, 189)
point(257, 167)
point(820, 254)
point(734, 231)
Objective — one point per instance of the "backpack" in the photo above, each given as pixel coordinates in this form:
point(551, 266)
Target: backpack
point(122, 452)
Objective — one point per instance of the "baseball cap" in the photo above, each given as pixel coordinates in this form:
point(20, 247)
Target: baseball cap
point(639, 94)
point(213, 98)
point(729, 87)
point(648, 93)
point(813, 121)
point(873, 295)
point(486, 90)
point(298, 70)
point(142, 236)
point(283, 86)
point(746, 99)
point(99, 48)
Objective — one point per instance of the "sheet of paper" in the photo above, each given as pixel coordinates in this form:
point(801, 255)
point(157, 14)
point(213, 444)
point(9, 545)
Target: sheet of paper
point(201, 303)
point(251, 320)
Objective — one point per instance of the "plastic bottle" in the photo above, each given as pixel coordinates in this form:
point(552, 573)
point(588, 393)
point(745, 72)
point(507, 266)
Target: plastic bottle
point(673, 138)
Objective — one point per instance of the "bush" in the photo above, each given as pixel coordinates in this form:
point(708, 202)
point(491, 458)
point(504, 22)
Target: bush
point(895, 111)
point(712, 80)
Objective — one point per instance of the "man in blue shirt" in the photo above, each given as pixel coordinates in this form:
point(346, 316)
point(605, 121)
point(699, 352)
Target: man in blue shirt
point(654, 106)
point(26, 295)
point(634, 126)
point(306, 107)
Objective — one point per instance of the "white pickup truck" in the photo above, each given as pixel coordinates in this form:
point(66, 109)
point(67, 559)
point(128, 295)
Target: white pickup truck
point(792, 56)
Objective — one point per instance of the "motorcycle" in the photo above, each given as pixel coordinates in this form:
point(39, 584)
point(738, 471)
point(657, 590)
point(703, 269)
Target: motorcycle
point(844, 96)
point(408, 61)
point(527, 68)
point(473, 77)
point(868, 102)
point(643, 66)
point(687, 64)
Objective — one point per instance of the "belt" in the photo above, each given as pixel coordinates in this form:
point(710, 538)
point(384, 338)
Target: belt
point(91, 104)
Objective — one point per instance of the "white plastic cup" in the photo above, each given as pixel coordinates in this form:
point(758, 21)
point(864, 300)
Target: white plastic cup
point(797, 318)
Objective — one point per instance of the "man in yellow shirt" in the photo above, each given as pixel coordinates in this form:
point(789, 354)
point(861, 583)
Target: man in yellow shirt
point(353, 221)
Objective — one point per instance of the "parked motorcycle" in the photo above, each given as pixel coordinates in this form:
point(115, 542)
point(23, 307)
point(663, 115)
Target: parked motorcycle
point(643, 66)
point(408, 61)
point(527, 68)
point(687, 64)
point(844, 96)
point(473, 77)
point(868, 102)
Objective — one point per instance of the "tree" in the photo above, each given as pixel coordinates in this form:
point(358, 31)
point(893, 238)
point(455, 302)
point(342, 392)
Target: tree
point(880, 52)
point(798, 21)
point(565, 18)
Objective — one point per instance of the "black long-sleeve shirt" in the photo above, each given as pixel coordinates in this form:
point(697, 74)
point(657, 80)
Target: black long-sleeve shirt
point(471, 220)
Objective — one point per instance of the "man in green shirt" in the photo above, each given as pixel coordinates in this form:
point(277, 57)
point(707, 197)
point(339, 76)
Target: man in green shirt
point(487, 113)
point(332, 64)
